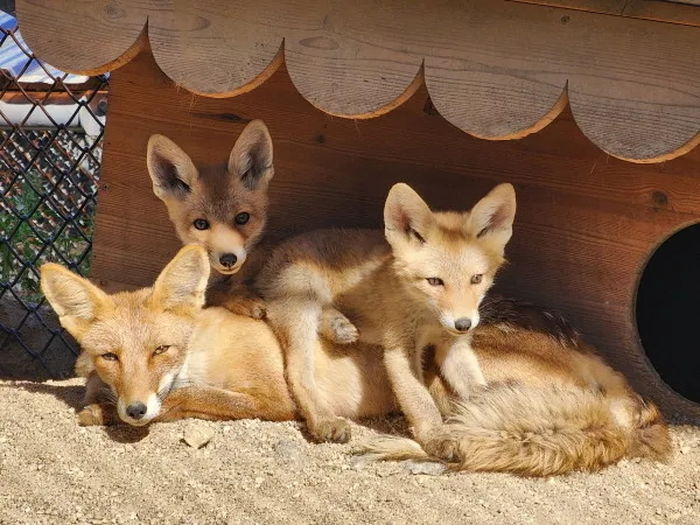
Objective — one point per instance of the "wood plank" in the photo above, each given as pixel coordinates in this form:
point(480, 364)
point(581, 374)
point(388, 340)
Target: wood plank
point(618, 75)
point(675, 12)
point(220, 48)
point(497, 70)
point(586, 222)
point(688, 13)
point(84, 36)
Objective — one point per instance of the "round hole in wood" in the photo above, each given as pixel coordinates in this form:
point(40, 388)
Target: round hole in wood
point(668, 311)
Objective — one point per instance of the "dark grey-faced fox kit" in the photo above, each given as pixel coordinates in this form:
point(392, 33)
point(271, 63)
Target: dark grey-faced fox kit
point(221, 207)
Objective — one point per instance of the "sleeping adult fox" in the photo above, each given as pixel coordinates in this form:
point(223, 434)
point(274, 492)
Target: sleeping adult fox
point(551, 406)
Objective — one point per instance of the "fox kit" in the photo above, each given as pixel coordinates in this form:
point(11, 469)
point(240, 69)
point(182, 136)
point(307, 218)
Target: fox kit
point(421, 288)
point(223, 208)
point(552, 406)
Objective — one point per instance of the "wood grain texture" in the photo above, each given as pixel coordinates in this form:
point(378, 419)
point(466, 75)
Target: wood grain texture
point(688, 13)
point(495, 69)
point(214, 47)
point(84, 36)
point(586, 222)
point(675, 12)
point(357, 59)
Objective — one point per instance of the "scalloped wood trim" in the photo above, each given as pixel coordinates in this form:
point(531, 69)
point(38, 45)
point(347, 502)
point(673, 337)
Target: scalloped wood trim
point(496, 70)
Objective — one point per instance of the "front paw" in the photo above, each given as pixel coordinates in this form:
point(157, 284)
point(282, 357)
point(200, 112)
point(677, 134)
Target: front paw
point(442, 445)
point(338, 329)
point(92, 415)
point(247, 306)
point(332, 429)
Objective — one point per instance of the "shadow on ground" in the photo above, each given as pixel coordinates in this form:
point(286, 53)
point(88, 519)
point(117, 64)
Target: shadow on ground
point(72, 396)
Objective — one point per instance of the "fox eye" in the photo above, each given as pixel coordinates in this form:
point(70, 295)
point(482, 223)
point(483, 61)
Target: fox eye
point(110, 356)
point(242, 218)
point(161, 349)
point(476, 278)
point(435, 281)
point(201, 224)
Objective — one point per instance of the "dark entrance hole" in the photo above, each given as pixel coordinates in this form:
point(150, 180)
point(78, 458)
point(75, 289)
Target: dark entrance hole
point(668, 311)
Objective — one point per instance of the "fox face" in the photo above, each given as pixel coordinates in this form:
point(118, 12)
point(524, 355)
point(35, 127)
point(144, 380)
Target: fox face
point(448, 260)
point(223, 208)
point(134, 341)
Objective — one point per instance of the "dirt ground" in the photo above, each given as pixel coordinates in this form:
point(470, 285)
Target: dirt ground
point(52, 471)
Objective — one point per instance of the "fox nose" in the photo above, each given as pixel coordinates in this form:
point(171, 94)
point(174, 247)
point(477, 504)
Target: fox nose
point(463, 324)
point(228, 259)
point(136, 410)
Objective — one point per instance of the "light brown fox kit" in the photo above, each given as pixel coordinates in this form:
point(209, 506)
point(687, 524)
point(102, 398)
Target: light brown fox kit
point(421, 288)
point(551, 406)
point(221, 207)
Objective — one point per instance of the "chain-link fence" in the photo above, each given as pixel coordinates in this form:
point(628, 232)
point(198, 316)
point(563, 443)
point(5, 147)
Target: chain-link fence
point(51, 127)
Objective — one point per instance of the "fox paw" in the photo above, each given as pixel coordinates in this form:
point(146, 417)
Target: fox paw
point(91, 415)
point(443, 447)
point(247, 306)
point(335, 430)
point(338, 329)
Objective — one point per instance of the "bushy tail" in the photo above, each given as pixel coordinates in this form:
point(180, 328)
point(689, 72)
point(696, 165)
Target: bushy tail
point(539, 432)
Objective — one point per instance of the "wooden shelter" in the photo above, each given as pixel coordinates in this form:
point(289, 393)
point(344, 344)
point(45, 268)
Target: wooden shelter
point(604, 96)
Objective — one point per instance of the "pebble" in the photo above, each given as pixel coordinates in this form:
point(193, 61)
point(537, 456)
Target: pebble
point(289, 451)
point(197, 435)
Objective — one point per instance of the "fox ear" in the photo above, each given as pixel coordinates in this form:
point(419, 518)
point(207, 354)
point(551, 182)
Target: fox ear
point(251, 156)
point(171, 169)
point(406, 215)
point(181, 285)
point(76, 300)
point(492, 217)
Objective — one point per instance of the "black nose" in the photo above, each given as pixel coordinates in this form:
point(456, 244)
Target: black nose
point(136, 410)
point(228, 260)
point(463, 324)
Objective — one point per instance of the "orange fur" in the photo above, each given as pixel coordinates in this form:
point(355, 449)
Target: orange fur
point(552, 405)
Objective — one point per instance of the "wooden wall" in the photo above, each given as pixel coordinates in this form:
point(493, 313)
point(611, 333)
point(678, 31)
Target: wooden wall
point(586, 222)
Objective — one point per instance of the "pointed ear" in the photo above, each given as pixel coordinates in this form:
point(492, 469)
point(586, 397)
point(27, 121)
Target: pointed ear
point(171, 169)
point(492, 217)
point(251, 156)
point(181, 285)
point(406, 215)
point(76, 300)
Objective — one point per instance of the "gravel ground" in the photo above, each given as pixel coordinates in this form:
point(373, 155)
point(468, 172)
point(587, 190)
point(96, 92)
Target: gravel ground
point(52, 471)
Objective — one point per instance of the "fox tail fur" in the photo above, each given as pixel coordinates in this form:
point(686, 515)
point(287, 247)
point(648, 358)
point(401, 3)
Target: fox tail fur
point(532, 431)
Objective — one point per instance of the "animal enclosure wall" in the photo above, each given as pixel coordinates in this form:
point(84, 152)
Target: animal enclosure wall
point(587, 221)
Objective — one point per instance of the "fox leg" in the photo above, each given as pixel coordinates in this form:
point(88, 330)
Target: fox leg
point(418, 405)
point(238, 299)
point(96, 410)
point(337, 328)
point(296, 321)
point(205, 402)
point(460, 367)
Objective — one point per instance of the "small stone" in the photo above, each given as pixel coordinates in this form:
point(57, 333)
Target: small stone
point(197, 435)
point(684, 450)
point(288, 450)
point(425, 467)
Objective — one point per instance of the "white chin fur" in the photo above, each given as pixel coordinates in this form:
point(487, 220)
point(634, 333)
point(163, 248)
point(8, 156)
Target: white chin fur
point(152, 410)
point(227, 272)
